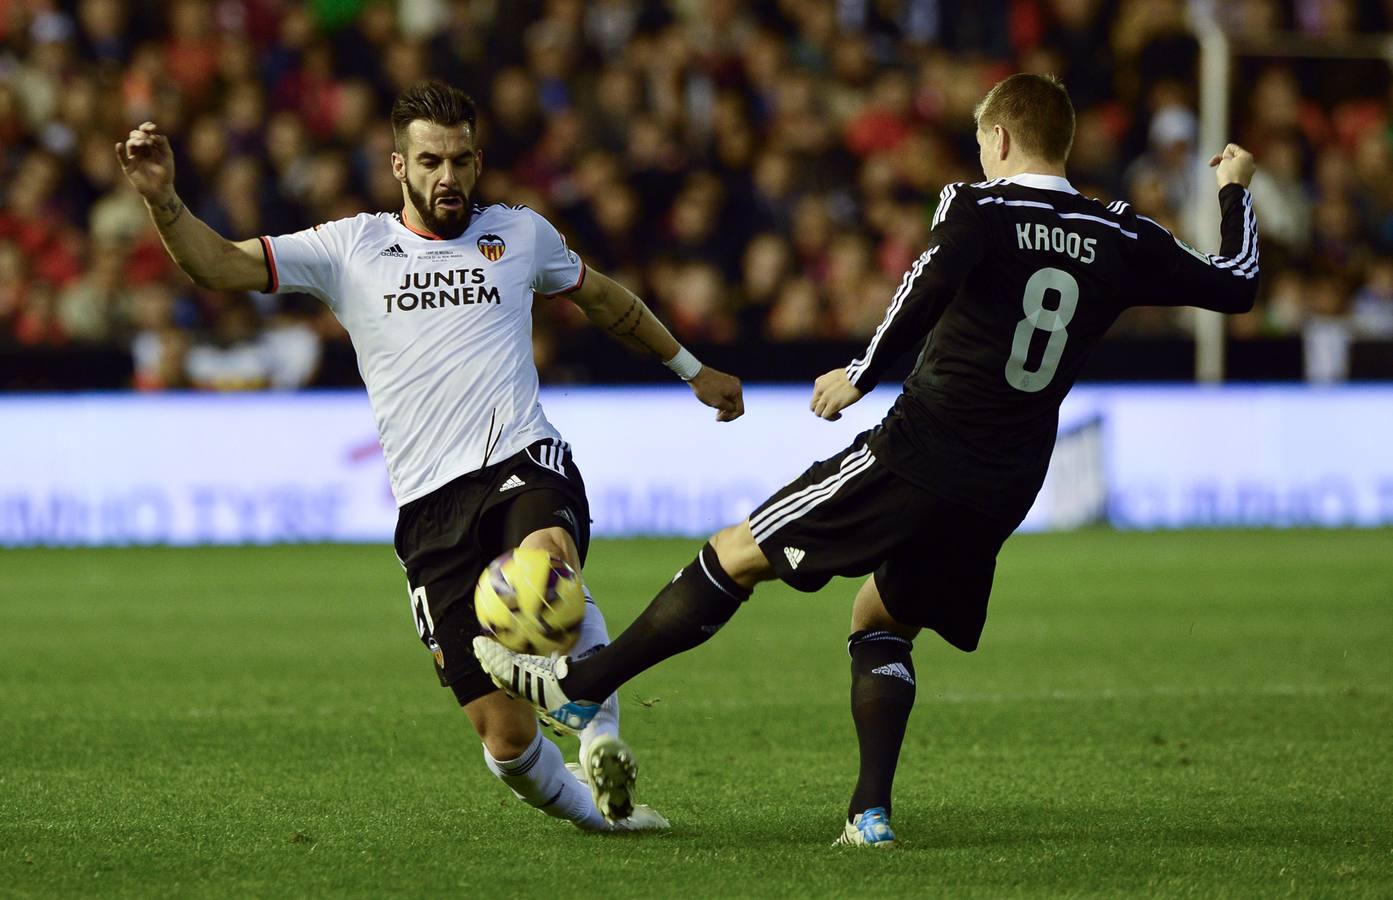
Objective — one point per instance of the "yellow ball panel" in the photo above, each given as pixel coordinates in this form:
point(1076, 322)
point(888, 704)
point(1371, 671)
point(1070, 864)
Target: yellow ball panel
point(530, 601)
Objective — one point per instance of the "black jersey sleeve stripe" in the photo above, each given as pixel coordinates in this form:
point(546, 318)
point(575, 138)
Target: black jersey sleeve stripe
point(853, 371)
point(1244, 263)
point(958, 241)
point(859, 366)
point(945, 199)
point(1247, 262)
point(1225, 282)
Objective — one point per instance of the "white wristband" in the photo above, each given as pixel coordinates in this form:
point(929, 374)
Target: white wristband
point(684, 365)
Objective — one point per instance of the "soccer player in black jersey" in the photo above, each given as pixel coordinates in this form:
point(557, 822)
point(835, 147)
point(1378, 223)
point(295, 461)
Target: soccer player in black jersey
point(1021, 278)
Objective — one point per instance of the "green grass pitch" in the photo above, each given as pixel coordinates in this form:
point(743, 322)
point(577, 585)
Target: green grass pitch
point(1174, 714)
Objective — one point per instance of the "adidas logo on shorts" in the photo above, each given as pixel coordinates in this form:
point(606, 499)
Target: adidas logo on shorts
point(394, 250)
point(512, 482)
point(794, 555)
point(894, 670)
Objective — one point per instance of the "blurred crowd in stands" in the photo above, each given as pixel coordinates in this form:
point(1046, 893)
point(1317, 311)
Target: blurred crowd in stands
point(760, 171)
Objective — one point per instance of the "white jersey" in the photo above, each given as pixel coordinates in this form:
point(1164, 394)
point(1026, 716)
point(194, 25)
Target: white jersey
point(442, 329)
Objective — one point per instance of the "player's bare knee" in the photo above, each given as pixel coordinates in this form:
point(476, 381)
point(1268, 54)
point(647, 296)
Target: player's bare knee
point(506, 727)
point(883, 622)
point(508, 740)
point(506, 749)
point(740, 556)
point(868, 613)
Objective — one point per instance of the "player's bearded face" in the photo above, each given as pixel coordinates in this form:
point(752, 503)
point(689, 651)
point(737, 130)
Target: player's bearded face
point(444, 210)
point(438, 170)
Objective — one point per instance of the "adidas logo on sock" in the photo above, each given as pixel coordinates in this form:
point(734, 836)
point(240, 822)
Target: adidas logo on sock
point(894, 670)
point(512, 482)
point(394, 250)
point(794, 555)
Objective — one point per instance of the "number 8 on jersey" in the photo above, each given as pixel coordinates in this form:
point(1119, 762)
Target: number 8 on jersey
point(1038, 318)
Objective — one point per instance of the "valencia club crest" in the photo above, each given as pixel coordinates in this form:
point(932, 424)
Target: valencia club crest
point(492, 246)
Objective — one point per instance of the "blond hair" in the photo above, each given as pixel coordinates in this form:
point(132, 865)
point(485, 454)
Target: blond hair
point(1035, 110)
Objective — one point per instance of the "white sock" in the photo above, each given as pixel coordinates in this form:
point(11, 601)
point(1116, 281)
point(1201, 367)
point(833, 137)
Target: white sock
point(593, 635)
point(539, 778)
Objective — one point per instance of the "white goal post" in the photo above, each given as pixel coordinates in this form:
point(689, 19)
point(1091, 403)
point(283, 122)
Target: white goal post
point(1217, 53)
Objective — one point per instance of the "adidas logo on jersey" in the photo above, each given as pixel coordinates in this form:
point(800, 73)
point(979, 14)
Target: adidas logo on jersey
point(894, 670)
point(794, 556)
point(512, 482)
point(394, 250)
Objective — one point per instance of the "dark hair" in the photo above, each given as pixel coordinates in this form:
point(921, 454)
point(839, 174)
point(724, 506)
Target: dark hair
point(1037, 112)
point(431, 101)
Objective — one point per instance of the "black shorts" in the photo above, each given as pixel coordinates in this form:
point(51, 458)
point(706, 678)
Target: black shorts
point(849, 515)
point(447, 538)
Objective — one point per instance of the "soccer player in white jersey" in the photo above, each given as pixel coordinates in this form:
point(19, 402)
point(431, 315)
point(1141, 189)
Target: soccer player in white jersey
point(438, 303)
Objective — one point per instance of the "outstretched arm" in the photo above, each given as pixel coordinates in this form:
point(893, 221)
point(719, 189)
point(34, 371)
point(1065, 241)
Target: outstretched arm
point(619, 311)
point(1224, 282)
point(956, 243)
point(207, 257)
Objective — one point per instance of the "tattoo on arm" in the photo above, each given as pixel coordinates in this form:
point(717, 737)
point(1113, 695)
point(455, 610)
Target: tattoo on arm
point(166, 214)
point(632, 312)
point(618, 329)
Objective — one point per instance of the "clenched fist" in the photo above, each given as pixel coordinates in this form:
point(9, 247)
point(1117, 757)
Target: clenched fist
point(832, 393)
point(148, 163)
point(1236, 166)
point(719, 391)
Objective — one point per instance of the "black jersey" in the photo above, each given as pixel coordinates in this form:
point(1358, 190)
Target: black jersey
point(1021, 278)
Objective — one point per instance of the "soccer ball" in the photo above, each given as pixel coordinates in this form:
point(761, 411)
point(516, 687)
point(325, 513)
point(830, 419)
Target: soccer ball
point(530, 602)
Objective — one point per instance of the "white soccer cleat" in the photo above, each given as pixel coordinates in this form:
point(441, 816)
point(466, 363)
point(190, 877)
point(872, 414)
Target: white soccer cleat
point(869, 829)
point(643, 818)
point(536, 679)
point(610, 770)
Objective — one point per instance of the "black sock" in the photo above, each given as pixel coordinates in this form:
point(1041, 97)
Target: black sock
point(692, 607)
point(882, 694)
